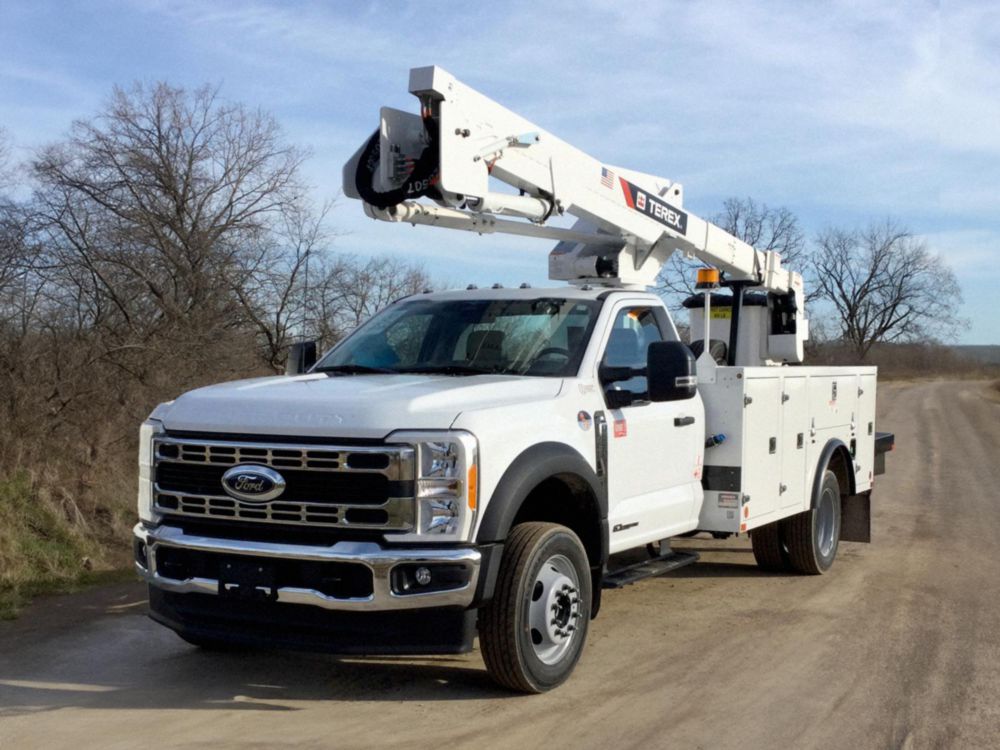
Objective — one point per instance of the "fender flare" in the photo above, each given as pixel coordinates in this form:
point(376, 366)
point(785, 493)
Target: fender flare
point(832, 447)
point(532, 467)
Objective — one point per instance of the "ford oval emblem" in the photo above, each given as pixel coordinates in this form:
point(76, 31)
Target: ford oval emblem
point(253, 484)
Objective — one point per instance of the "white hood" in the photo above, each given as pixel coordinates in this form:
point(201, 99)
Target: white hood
point(362, 406)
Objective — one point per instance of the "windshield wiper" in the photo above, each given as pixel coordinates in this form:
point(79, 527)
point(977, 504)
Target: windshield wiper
point(449, 370)
point(354, 370)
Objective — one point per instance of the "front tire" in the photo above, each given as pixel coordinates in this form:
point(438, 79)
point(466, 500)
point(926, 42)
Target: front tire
point(532, 631)
point(812, 538)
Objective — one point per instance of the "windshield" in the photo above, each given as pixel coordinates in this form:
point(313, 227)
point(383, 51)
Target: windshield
point(542, 337)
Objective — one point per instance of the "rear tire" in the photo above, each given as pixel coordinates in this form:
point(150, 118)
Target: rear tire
point(769, 549)
point(812, 537)
point(532, 631)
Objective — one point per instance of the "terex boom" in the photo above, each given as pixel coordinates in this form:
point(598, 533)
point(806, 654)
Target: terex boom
point(471, 462)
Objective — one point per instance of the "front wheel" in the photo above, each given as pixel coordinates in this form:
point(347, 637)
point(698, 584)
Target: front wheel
point(532, 632)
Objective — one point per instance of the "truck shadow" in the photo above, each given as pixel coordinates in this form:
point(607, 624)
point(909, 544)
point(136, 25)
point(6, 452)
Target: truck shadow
point(98, 650)
point(189, 679)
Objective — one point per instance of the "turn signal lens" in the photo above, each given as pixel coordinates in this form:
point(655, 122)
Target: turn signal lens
point(473, 490)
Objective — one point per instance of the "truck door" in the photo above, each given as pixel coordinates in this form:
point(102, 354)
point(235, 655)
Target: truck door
point(654, 449)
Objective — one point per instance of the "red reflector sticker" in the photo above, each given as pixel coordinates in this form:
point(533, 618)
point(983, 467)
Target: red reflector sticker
point(621, 426)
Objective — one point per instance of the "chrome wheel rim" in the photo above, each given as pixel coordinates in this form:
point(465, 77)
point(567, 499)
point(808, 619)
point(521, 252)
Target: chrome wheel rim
point(554, 609)
point(825, 523)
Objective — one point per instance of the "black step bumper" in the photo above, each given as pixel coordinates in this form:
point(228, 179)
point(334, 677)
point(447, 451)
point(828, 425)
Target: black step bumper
point(274, 625)
point(884, 442)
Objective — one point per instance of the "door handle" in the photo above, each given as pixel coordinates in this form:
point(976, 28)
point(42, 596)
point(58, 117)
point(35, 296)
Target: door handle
point(683, 421)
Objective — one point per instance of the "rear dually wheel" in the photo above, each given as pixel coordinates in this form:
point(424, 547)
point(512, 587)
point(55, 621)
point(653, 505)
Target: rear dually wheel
point(812, 538)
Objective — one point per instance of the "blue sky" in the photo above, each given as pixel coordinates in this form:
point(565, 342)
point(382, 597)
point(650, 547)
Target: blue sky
point(841, 111)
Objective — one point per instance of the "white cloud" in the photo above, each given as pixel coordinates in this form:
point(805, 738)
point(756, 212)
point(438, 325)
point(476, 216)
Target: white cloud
point(971, 253)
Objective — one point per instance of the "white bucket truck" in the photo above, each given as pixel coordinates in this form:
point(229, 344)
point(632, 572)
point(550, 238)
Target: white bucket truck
point(471, 462)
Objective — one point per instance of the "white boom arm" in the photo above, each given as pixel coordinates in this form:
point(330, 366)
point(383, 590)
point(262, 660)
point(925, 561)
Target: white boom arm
point(628, 223)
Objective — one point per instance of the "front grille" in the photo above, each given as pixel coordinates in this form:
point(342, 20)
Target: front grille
point(303, 486)
point(340, 486)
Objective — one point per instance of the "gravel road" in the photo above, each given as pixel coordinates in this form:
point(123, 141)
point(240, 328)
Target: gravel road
point(897, 647)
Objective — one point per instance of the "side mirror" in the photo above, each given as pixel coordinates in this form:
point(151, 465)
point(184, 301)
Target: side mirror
point(301, 357)
point(670, 371)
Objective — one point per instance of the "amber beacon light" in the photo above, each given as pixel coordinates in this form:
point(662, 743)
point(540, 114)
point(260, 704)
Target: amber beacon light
point(708, 278)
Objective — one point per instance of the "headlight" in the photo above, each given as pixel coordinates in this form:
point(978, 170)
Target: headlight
point(447, 484)
point(149, 429)
point(438, 459)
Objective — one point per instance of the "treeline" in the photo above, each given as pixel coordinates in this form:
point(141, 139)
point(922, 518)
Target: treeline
point(166, 243)
point(929, 359)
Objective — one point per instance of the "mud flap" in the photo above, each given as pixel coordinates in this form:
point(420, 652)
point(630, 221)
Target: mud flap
point(856, 518)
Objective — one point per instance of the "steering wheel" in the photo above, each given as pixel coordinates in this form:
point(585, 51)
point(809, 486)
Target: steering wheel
point(561, 351)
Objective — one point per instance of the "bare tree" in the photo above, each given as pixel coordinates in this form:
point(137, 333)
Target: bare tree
point(12, 226)
point(6, 176)
point(276, 281)
point(349, 290)
point(757, 224)
point(159, 232)
point(766, 228)
point(160, 211)
point(885, 286)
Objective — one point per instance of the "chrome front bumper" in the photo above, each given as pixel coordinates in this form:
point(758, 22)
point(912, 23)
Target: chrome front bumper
point(376, 558)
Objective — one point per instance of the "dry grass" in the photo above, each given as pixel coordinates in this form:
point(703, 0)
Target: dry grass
point(49, 544)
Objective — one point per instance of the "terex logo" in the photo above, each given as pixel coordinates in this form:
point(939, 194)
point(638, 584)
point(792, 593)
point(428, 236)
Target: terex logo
point(654, 207)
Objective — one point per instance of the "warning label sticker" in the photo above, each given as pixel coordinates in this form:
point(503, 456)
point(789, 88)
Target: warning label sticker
point(729, 500)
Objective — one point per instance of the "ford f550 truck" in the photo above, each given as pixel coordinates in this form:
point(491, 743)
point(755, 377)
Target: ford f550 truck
point(472, 462)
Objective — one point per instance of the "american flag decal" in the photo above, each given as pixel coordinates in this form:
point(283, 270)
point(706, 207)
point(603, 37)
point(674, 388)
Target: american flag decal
point(607, 178)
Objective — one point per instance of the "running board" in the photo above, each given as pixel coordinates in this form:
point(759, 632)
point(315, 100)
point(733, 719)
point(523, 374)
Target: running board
point(648, 569)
